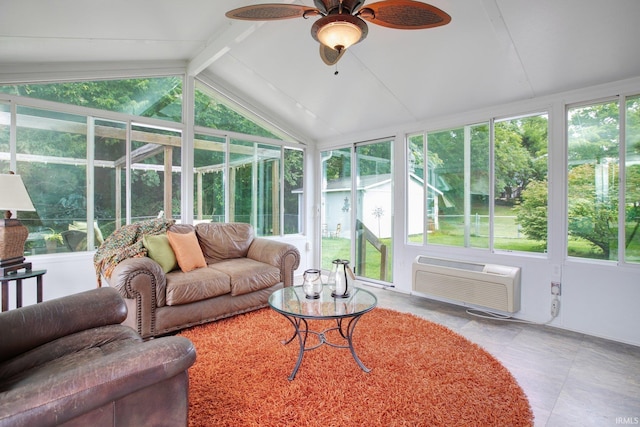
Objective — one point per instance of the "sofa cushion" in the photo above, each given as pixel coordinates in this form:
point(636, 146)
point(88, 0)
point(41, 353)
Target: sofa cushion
point(248, 275)
point(159, 250)
point(221, 241)
point(196, 285)
point(187, 250)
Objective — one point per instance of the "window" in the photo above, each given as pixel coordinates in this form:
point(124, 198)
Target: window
point(51, 156)
point(209, 178)
point(632, 178)
point(90, 173)
point(292, 190)
point(520, 194)
point(263, 181)
point(456, 190)
point(157, 97)
point(155, 173)
point(214, 111)
point(254, 179)
point(449, 186)
point(592, 180)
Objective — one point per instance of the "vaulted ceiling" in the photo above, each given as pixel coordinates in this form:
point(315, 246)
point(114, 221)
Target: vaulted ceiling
point(492, 52)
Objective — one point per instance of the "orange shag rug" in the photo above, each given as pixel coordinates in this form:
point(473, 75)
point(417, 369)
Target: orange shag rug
point(422, 374)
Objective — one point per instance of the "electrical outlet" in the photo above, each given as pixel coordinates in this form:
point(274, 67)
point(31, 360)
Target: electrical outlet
point(555, 307)
point(556, 288)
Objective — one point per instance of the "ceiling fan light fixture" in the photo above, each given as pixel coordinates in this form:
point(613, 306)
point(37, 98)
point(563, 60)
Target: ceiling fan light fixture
point(340, 31)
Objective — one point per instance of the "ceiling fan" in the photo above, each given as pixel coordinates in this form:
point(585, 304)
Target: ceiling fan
point(342, 23)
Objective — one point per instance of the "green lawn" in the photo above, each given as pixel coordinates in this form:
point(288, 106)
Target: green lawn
point(451, 233)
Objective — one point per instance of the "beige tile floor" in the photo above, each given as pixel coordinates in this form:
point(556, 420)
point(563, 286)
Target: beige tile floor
point(571, 379)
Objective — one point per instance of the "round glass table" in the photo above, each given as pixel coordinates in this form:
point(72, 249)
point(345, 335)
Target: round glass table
point(292, 303)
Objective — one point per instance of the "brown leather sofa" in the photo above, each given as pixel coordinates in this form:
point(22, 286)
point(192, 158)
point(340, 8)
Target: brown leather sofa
point(241, 272)
point(70, 362)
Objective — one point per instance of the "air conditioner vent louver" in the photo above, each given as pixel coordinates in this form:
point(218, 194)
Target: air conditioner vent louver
point(487, 285)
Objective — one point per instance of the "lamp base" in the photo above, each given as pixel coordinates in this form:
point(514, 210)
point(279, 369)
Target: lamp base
point(13, 235)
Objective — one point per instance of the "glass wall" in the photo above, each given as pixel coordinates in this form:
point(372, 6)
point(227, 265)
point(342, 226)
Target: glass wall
point(89, 174)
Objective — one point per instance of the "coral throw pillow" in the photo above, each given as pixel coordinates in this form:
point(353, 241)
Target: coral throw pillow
point(159, 250)
point(187, 250)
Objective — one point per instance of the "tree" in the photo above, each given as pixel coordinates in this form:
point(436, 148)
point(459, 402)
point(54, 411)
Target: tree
point(531, 213)
point(591, 214)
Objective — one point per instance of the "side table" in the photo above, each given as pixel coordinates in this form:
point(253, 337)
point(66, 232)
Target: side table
point(19, 277)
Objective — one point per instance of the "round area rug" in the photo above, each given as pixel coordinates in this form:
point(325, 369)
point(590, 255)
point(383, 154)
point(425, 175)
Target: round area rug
point(422, 374)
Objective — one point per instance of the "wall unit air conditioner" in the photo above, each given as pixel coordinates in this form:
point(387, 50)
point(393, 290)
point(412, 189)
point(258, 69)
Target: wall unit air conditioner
point(487, 285)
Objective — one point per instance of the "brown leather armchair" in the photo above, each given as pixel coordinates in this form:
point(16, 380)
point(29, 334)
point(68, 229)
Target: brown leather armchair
point(70, 362)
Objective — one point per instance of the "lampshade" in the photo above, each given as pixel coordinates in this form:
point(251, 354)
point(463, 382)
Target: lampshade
point(13, 194)
point(339, 32)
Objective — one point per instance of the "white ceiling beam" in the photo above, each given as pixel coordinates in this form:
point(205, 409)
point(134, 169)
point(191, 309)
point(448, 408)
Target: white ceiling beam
point(221, 43)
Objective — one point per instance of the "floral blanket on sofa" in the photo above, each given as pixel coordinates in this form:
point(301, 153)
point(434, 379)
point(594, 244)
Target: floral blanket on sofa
point(126, 242)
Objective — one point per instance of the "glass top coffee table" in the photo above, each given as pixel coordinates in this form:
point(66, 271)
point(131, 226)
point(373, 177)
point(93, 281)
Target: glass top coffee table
point(292, 303)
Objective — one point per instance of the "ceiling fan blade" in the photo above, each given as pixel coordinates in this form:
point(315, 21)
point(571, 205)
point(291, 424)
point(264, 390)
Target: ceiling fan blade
point(330, 56)
point(404, 14)
point(270, 12)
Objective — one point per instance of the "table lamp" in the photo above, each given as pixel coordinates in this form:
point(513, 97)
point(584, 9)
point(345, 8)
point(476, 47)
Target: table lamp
point(13, 235)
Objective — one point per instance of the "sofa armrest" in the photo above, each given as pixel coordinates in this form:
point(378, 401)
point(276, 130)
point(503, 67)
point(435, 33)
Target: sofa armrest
point(279, 254)
point(142, 281)
point(81, 387)
point(57, 318)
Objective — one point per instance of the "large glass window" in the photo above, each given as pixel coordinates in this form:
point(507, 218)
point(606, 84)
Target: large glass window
point(449, 186)
point(157, 97)
point(155, 173)
point(453, 183)
point(632, 179)
point(209, 178)
point(214, 111)
point(336, 206)
point(370, 239)
point(109, 182)
point(292, 190)
point(416, 188)
point(374, 211)
point(5, 126)
point(51, 151)
point(592, 177)
point(254, 185)
point(520, 202)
